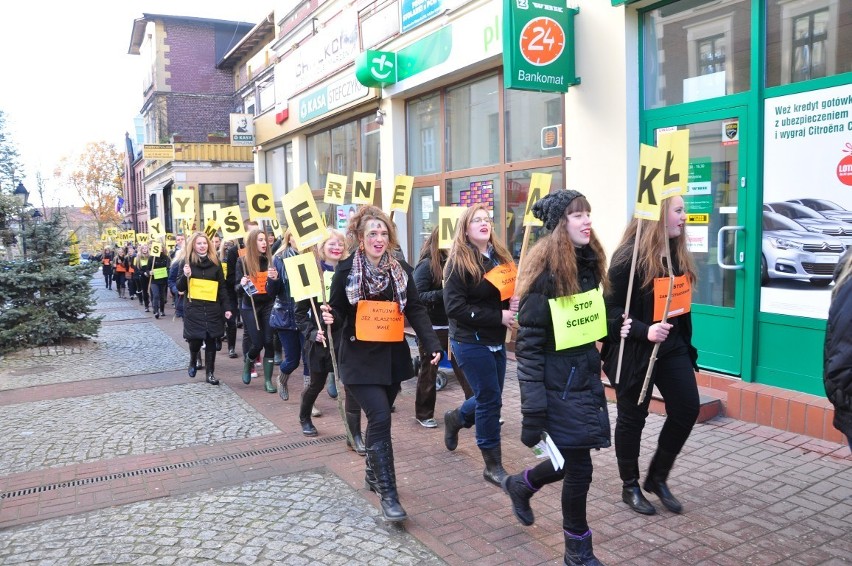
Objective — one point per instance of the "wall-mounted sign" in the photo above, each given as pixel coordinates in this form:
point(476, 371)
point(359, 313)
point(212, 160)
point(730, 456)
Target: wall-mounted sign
point(331, 96)
point(158, 151)
point(412, 13)
point(242, 129)
point(538, 45)
point(376, 68)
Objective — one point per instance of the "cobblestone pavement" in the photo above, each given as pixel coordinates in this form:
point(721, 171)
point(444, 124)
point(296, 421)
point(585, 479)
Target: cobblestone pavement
point(118, 350)
point(306, 518)
point(84, 429)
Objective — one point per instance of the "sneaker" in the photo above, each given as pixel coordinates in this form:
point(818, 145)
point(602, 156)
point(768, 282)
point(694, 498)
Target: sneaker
point(253, 373)
point(428, 423)
point(315, 412)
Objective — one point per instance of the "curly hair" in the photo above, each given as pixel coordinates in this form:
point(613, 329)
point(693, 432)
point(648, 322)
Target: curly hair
point(357, 226)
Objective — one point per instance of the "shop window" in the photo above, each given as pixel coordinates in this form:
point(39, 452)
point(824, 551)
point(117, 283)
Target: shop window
point(485, 189)
point(517, 190)
point(807, 39)
point(226, 194)
point(343, 150)
point(370, 157)
point(696, 50)
point(471, 116)
point(266, 95)
point(276, 171)
point(528, 117)
point(424, 146)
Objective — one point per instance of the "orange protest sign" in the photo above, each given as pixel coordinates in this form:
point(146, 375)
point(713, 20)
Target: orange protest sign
point(378, 321)
point(681, 296)
point(259, 281)
point(503, 277)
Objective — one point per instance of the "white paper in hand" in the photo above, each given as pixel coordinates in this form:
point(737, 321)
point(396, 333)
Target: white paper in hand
point(547, 449)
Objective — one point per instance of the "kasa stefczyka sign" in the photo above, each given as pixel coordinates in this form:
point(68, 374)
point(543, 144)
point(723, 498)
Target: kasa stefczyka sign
point(538, 45)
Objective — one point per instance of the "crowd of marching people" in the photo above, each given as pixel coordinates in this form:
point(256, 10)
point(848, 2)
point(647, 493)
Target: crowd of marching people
point(460, 302)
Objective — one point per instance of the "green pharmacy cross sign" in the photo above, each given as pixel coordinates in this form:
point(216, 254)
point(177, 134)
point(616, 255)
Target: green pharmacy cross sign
point(376, 68)
point(538, 45)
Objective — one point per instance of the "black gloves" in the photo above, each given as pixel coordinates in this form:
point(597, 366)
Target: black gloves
point(531, 428)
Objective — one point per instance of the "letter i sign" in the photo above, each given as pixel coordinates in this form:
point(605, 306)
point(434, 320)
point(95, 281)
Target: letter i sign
point(542, 41)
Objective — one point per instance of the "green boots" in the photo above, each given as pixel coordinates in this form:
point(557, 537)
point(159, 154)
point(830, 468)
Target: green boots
point(268, 366)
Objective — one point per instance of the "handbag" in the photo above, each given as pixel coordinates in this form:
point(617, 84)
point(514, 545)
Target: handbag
point(282, 317)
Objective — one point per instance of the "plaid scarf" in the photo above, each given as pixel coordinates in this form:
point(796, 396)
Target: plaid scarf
point(367, 280)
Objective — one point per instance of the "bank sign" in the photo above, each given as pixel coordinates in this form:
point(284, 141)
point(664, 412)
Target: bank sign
point(538, 45)
point(330, 97)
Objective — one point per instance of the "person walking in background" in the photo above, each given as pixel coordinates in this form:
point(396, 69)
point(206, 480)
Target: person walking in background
point(675, 366)
point(253, 270)
point(174, 272)
point(837, 373)
point(428, 277)
point(478, 320)
point(131, 276)
point(229, 270)
point(142, 273)
point(106, 268)
point(121, 265)
point(201, 280)
point(159, 278)
point(373, 361)
point(283, 318)
point(559, 370)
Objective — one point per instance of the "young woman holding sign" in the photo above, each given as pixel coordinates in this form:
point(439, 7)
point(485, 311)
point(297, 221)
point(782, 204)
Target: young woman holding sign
point(561, 317)
point(674, 369)
point(370, 293)
point(121, 264)
point(253, 269)
point(106, 261)
point(143, 273)
point(283, 318)
point(159, 278)
point(478, 285)
point(202, 281)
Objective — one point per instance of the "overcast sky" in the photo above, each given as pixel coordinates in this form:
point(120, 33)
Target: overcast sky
point(67, 77)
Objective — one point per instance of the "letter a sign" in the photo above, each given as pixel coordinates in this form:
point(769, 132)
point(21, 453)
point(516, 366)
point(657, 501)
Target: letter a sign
point(303, 218)
point(303, 275)
point(539, 186)
point(652, 161)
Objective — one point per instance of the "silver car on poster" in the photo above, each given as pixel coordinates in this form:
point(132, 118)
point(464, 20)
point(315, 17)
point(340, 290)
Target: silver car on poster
point(811, 220)
point(791, 252)
point(827, 208)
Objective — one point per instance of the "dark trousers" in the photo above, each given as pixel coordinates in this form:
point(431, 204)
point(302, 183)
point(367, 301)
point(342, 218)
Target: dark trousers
point(376, 401)
point(576, 476)
point(291, 350)
point(209, 345)
point(158, 295)
point(108, 279)
point(424, 400)
point(311, 392)
point(486, 373)
point(119, 281)
point(142, 289)
point(675, 378)
point(131, 286)
point(260, 334)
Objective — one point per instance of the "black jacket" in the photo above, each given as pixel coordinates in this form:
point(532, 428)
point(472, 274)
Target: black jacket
point(203, 319)
point(837, 374)
point(561, 391)
point(637, 347)
point(318, 356)
point(262, 298)
point(377, 363)
point(475, 310)
point(284, 307)
point(431, 292)
point(145, 269)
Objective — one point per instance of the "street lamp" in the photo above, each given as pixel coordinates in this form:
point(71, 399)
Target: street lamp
point(37, 215)
point(22, 195)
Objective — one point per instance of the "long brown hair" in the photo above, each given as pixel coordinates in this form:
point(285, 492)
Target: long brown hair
point(192, 256)
point(464, 258)
point(650, 259)
point(251, 261)
point(355, 229)
point(556, 253)
point(435, 255)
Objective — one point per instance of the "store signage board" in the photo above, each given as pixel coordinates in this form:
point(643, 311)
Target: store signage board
point(412, 13)
point(538, 45)
point(158, 151)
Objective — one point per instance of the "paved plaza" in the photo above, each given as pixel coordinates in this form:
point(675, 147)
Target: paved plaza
point(111, 455)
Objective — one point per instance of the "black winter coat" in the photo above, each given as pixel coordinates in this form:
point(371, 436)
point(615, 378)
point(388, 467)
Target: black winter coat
point(318, 356)
point(475, 311)
point(262, 298)
point(203, 319)
point(637, 347)
point(431, 292)
point(377, 363)
point(561, 391)
point(837, 374)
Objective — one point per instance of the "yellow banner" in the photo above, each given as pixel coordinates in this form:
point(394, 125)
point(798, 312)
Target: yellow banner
point(539, 186)
point(335, 189)
point(676, 172)
point(448, 219)
point(260, 202)
point(652, 161)
point(143, 238)
point(155, 227)
point(211, 228)
point(362, 187)
point(303, 218)
point(156, 248)
point(183, 203)
point(277, 228)
point(401, 197)
point(203, 289)
point(303, 275)
point(231, 221)
point(210, 212)
point(578, 319)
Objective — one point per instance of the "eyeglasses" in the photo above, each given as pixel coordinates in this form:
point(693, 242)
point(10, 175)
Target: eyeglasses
point(482, 220)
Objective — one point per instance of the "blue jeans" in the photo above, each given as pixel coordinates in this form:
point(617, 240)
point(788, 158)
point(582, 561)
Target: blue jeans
point(485, 371)
point(291, 346)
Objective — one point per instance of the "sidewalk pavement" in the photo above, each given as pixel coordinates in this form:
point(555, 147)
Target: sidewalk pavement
point(112, 455)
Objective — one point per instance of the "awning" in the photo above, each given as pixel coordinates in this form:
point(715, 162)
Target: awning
point(625, 2)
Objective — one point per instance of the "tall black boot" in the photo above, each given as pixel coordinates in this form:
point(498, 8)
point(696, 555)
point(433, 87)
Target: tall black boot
point(370, 477)
point(658, 473)
point(210, 361)
point(193, 364)
point(353, 420)
point(628, 470)
point(578, 550)
point(452, 425)
point(520, 491)
point(380, 457)
point(494, 471)
point(231, 336)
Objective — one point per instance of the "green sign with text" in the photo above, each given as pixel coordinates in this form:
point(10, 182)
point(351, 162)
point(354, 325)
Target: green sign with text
point(538, 45)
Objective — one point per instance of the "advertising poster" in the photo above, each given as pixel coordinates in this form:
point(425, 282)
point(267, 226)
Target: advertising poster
point(807, 196)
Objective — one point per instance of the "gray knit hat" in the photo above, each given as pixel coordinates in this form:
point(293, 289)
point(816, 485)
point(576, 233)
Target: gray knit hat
point(550, 208)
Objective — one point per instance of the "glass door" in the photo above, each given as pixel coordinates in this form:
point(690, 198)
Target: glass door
point(716, 232)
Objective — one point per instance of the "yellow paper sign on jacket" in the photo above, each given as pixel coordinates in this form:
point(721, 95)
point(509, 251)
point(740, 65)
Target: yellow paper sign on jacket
point(578, 319)
point(203, 289)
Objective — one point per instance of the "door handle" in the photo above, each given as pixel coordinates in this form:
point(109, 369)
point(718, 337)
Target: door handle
point(720, 247)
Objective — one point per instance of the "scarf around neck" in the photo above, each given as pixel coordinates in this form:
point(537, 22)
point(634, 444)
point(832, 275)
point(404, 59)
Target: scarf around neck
point(367, 280)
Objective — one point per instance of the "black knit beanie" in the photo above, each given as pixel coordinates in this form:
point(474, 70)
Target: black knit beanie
point(550, 208)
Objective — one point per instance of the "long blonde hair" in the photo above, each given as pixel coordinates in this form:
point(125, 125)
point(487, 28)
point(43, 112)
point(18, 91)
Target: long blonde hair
point(141, 260)
point(251, 261)
point(464, 258)
point(651, 245)
point(556, 253)
point(192, 256)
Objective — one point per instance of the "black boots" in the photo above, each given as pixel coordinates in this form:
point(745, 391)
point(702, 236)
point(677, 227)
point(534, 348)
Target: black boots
point(283, 392)
point(308, 428)
point(380, 461)
point(452, 425)
point(628, 470)
point(578, 550)
point(494, 471)
point(520, 491)
point(210, 362)
point(193, 364)
point(658, 473)
point(353, 421)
